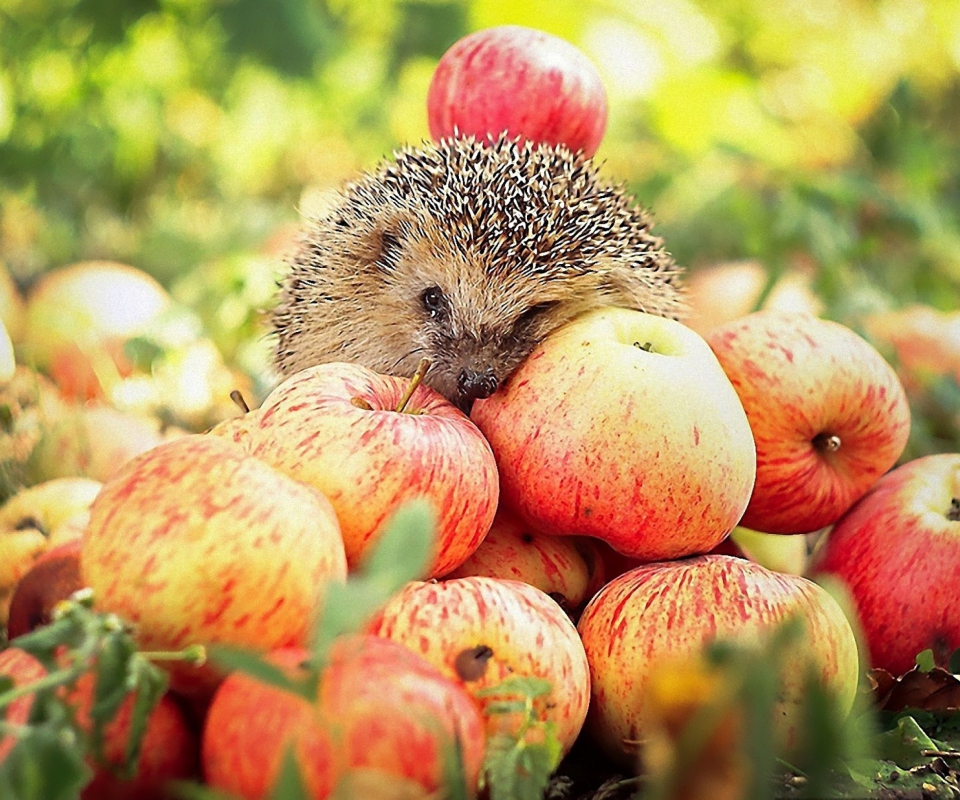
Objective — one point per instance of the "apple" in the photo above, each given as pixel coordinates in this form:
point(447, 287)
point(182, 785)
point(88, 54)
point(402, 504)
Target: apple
point(771, 550)
point(189, 382)
point(195, 541)
point(622, 426)
point(828, 414)
point(22, 668)
point(898, 552)
point(480, 631)
point(92, 440)
point(35, 519)
point(565, 567)
point(924, 341)
point(335, 427)
point(668, 612)
point(52, 578)
point(30, 403)
point(170, 747)
point(381, 711)
point(719, 293)
point(529, 83)
point(80, 316)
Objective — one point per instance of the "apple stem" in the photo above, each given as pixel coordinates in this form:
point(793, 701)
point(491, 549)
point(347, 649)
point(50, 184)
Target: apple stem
point(954, 513)
point(648, 346)
point(195, 654)
point(828, 442)
point(415, 381)
point(237, 396)
point(51, 680)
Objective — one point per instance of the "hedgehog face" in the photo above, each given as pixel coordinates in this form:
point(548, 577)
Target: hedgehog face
point(470, 254)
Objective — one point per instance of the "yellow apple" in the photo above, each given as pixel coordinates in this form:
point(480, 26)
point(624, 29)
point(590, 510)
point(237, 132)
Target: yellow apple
point(80, 316)
point(773, 550)
point(93, 440)
point(195, 541)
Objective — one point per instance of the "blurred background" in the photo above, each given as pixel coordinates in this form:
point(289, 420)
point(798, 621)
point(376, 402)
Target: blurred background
point(814, 144)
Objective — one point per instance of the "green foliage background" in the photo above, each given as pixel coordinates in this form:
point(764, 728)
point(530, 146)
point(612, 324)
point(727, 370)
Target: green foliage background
point(185, 136)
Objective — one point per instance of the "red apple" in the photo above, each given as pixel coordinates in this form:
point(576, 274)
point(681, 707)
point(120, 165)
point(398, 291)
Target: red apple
point(23, 669)
point(722, 292)
point(622, 425)
point(531, 84)
point(35, 519)
point(170, 747)
point(381, 711)
point(565, 567)
point(480, 631)
point(54, 576)
point(668, 612)
point(898, 551)
point(195, 541)
point(335, 427)
point(828, 414)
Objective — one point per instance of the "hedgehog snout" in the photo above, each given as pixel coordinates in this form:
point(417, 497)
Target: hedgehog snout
point(476, 385)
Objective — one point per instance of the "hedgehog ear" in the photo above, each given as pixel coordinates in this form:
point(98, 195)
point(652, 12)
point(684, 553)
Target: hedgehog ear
point(632, 285)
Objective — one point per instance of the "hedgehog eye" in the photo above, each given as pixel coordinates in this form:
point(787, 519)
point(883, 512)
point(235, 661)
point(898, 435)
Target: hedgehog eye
point(434, 301)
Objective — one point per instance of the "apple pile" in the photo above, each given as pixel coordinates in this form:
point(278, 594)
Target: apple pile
point(580, 517)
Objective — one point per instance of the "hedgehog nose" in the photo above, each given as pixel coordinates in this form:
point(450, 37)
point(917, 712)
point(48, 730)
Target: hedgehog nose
point(473, 385)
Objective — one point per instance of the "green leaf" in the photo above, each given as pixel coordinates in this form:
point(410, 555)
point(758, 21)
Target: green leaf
point(346, 609)
point(401, 554)
point(289, 784)
point(454, 770)
point(515, 770)
point(44, 642)
point(404, 550)
point(904, 745)
point(253, 663)
point(44, 765)
point(186, 790)
point(925, 661)
point(954, 663)
point(150, 684)
point(110, 686)
point(522, 685)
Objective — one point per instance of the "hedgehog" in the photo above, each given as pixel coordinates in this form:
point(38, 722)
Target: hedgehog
point(468, 253)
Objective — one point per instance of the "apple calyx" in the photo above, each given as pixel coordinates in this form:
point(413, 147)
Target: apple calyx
point(827, 442)
point(32, 524)
point(646, 346)
point(471, 664)
point(954, 513)
point(415, 381)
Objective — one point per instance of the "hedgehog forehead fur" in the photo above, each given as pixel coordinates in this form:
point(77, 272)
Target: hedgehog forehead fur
point(469, 253)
